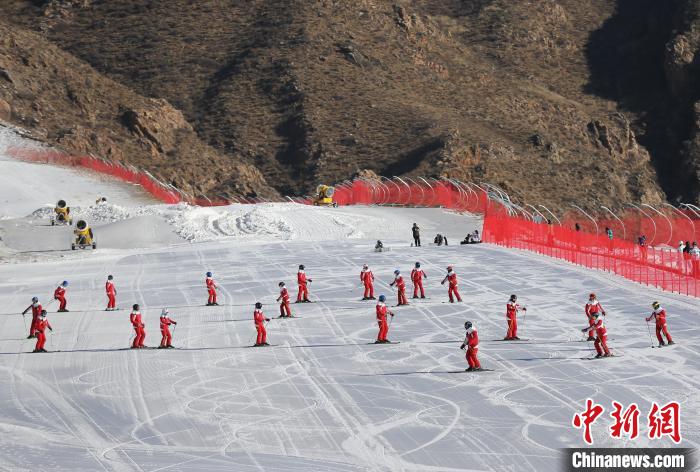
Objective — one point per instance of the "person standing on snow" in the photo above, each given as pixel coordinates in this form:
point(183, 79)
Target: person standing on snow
point(41, 325)
point(165, 322)
point(283, 299)
point(36, 312)
point(111, 294)
point(416, 235)
point(593, 306)
point(452, 291)
point(211, 290)
point(601, 339)
point(60, 295)
point(367, 279)
point(471, 342)
point(659, 315)
point(401, 287)
point(260, 319)
point(512, 309)
point(303, 296)
point(417, 276)
point(139, 328)
point(382, 311)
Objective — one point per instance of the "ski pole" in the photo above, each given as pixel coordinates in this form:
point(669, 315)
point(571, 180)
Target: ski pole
point(651, 340)
point(24, 320)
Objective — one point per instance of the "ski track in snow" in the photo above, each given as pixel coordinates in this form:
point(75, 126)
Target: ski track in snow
point(322, 397)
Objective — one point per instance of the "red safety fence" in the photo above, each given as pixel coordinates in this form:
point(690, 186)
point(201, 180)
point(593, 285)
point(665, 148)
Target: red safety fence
point(417, 193)
point(657, 263)
point(662, 267)
point(159, 190)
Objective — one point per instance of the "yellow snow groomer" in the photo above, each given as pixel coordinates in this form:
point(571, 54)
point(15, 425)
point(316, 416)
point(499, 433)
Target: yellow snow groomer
point(83, 236)
point(324, 196)
point(62, 214)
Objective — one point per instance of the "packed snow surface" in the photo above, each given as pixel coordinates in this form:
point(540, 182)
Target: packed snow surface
point(322, 397)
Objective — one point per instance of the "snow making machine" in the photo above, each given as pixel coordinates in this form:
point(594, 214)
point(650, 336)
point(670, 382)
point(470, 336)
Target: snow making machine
point(61, 214)
point(84, 238)
point(324, 196)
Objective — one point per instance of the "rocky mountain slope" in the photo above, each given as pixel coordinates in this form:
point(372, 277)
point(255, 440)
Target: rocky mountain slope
point(563, 101)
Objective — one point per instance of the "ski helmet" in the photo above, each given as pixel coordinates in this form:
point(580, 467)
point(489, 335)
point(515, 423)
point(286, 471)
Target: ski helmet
point(592, 295)
point(382, 298)
point(467, 325)
point(135, 307)
point(43, 313)
point(64, 283)
point(208, 274)
point(655, 305)
point(513, 298)
point(258, 305)
point(365, 266)
point(35, 299)
point(301, 266)
point(164, 312)
point(417, 265)
point(281, 284)
point(449, 268)
point(397, 272)
point(109, 277)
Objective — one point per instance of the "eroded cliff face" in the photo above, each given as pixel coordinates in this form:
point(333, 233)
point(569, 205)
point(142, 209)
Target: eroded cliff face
point(557, 101)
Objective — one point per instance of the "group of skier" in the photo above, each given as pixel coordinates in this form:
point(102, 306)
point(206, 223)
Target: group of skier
point(593, 309)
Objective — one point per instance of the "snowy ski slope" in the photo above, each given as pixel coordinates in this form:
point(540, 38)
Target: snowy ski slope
point(322, 398)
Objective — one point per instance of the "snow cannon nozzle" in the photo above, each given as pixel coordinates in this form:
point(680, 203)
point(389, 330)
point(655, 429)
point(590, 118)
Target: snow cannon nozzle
point(467, 325)
point(258, 305)
point(61, 204)
point(135, 307)
point(208, 274)
point(81, 224)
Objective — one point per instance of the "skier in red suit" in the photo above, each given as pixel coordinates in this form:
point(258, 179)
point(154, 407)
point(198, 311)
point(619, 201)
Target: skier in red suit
point(367, 279)
point(382, 311)
point(303, 296)
point(211, 290)
point(601, 335)
point(165, 322)
point(60, 295)
point(139, 328)
point(659, 315)
point(41, 325)
point(400, 286)
point(36, 312)
point(111, 294)
point(284, 302)
point(417, 276)
point(452, 291)
point(471, 342)
point(260, 319)
point(593, 306)
point(512, 309)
